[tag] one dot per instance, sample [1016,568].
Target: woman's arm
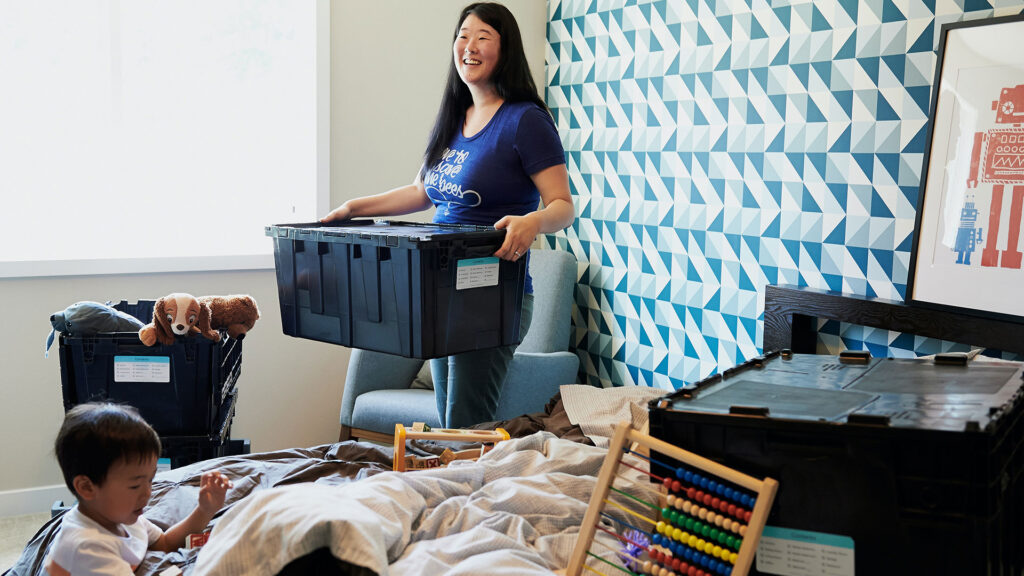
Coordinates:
[557,213]
[394,202]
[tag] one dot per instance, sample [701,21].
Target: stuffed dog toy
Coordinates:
[180,314]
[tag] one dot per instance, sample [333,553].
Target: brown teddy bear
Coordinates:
[180,314]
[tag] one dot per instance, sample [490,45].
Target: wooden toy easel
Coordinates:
[719,506]
[416,432]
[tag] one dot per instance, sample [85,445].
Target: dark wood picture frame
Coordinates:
[971,290]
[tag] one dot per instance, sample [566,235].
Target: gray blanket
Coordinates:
[337,465]
[516,511]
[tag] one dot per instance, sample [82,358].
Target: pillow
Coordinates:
[423,379]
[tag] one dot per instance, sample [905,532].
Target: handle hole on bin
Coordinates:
[383,253]
[357,251]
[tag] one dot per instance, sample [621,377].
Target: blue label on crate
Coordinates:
[163,464]
[477,272]
[790,552]
[142,369]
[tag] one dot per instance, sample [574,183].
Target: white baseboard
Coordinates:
[33,500]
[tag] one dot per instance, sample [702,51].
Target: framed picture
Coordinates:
[967,237]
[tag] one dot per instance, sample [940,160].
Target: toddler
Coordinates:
[108,455]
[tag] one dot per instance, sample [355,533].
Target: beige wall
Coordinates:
[289,389]
[390,62]
[389,58]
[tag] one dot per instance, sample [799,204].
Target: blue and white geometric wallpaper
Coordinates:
[716,147]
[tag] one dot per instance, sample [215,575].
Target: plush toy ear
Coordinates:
[148,334]
[162,325]
[205,318]
[195,307]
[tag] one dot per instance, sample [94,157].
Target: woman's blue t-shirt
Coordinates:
[485,177]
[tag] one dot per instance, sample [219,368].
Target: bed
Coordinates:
[337,509]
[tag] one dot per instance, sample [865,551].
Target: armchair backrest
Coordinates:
[554,277]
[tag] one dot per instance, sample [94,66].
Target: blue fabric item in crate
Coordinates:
[87,318]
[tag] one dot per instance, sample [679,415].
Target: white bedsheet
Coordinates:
[514,512]
[598,410]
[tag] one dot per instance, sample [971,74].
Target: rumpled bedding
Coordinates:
[492,493]
[175,493]
[515,512]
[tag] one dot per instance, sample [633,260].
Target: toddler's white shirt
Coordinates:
[84,547]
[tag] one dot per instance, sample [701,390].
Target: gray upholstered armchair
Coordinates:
[379,390]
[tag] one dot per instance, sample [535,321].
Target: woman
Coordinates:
[493,153]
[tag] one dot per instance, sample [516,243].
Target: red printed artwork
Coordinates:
[998,155]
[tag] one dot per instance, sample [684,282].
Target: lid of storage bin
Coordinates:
[384,232]
[782,400]
[904,393]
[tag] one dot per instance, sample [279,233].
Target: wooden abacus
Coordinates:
[710,526]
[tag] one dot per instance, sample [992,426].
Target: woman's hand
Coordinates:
[557,213]
[213,488]
[340,213]
[520,232]
[394,202]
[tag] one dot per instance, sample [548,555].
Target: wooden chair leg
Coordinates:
[346,433]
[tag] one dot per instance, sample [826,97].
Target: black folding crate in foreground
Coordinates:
[885,466]
[178,389]
[410,289]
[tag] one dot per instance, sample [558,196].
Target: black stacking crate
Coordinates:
[920,464]
[411,289]
[187,449]
[185,383]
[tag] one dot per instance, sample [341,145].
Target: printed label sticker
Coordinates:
[142,369]
[789,552]
[476,272]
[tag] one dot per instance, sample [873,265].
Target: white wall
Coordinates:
[389,58]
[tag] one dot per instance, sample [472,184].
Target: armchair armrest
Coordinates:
[369,371]
[532,379]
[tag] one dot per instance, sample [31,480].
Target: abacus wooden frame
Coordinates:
[624,433]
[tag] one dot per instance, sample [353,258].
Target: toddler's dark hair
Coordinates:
[96,435]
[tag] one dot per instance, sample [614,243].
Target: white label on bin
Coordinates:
[476,272]
[801,553]
[142,369]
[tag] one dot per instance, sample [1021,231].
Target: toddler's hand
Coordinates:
[213,487]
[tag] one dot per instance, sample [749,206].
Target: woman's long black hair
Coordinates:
[511,79]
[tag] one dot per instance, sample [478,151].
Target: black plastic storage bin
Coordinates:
[183,450]
[916,465]
[178,389]
[410,289]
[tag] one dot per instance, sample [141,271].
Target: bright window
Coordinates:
[146,135]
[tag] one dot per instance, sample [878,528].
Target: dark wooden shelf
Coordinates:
[790,315]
